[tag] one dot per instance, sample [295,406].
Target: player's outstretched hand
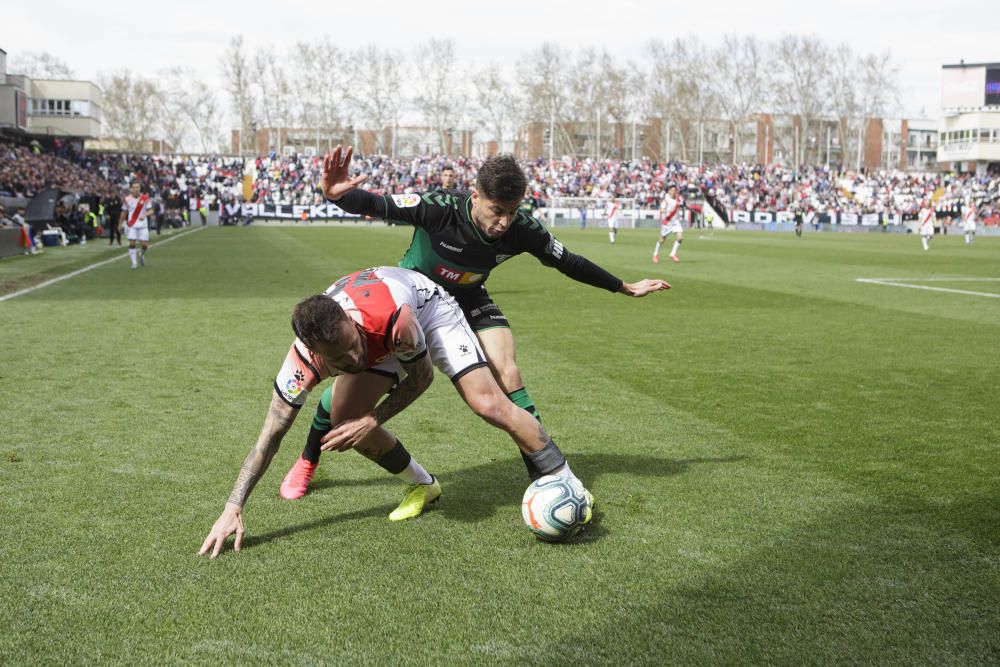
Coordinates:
[229,522]
[337,181]
[348,434]
[644,287]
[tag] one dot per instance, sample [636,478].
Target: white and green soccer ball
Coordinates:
[555,507]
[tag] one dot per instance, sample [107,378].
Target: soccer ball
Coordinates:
[555,507]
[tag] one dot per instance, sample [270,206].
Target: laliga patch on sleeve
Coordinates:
[406,201]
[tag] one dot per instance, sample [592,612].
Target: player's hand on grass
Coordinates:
[644,287]
[337,181]
[348,434]
[229,522]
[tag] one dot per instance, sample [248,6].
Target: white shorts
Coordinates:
[672,226]
[136,233]
[925,231]
[451,343]
[970,227]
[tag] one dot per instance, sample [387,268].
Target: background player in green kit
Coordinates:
[459,238]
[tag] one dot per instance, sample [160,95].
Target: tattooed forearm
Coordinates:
[280,417]
[418,377]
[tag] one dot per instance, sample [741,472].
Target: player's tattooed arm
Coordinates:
[419,376]
[280,417]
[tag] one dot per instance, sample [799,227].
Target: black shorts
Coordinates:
[479,309]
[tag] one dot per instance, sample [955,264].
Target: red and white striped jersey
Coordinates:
[374,298]
[137,211]
[669,209]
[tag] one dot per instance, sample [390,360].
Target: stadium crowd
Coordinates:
[174,181]
[291,180]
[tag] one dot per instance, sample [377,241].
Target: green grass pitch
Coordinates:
[791,467]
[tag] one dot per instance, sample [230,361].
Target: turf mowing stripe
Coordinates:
[876,281]
[53,281]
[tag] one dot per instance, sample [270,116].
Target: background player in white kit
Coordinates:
[135,221]
[614,219]
[925,218]
[969,221]
[670,222]
[372,328]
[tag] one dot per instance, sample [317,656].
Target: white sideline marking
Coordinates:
[896,282]
[53,281]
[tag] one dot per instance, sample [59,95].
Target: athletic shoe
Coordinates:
[674,258]
[591,504]
[134,266]
[142,259]
[296,482]
[415,498]
[656,259]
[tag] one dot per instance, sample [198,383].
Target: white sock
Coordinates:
[415,474]
[677,244]
[611,236]
[923,239]
[566,472]
[131,255]
[656,252]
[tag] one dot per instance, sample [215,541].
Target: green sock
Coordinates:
[521,399]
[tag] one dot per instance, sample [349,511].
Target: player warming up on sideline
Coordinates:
[670,222]
[380,329]
[926,220]
[135,222]
[459,238]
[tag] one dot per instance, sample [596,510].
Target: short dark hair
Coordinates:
[501,179]
[316,319]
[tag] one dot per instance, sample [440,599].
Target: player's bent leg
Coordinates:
[348,397]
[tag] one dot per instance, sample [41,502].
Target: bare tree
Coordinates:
[622,100]
[275,91]
[236,74]
[39,65]
[679,92]
[375,89]
[132,109]
[543,75]
[801,71]
[190,103]
[318,80]
[496,107]
[738,78]
[439,99]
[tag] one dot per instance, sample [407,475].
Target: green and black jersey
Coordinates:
[449,248]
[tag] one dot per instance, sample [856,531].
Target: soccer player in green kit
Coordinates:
[459,238]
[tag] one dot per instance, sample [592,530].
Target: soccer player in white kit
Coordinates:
[135,221]
[670,222]
[926,220]
[614,218]
[378,330]
[969,221]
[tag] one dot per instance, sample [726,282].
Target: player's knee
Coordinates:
[493,408]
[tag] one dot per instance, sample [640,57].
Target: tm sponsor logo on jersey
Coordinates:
[406,201]
[450,247]
[456,276]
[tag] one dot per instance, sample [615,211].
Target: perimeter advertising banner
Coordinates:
[854,219]
[289,212]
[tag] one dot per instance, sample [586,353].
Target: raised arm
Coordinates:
[280,416]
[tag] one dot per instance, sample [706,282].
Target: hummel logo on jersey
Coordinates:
[450,247]
[503,258]
[554,248]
